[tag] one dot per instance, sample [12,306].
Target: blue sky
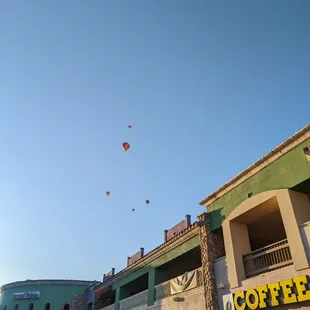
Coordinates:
[208,86]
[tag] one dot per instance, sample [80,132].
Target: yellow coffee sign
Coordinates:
[274,294]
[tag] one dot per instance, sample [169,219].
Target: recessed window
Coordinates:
[66,307]
[5,307]
[47,306]
[16,307]
[30,306]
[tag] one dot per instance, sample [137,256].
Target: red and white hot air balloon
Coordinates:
[126,146]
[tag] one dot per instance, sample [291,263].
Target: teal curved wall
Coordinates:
[57,295]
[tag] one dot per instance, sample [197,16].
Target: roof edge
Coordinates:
[296,139]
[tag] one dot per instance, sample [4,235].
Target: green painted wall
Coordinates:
[56,295]
[150,269]
[183,248]
[288,171]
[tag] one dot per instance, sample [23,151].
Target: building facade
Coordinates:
[250,250]
[178,274]
[44,295]
[264,216]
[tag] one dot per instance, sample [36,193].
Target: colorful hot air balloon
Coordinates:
[133,209]
[125,146]
[129,126]
[147,202]
[108,193]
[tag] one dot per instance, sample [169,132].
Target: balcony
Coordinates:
[274,256]
[163,290]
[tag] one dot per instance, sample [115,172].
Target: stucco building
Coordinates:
[178,274]
[264,215]
[46,295]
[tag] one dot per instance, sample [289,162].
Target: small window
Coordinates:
[5,307]
[16,307]
[30,306]
[47,306]
[66,307]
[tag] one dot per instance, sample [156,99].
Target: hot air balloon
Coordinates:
[129,126]
[133,209]
[125,146]
[147,202]
[108,193]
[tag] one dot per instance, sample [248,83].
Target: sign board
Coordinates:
[271,295]
[26,295]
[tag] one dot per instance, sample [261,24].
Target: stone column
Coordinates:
[212,247]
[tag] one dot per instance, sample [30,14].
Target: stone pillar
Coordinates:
[212,247]
[151,287]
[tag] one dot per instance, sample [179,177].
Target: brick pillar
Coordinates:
[166,235]
[188,220]
[212,247]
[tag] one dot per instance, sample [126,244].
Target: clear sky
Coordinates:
[208,86]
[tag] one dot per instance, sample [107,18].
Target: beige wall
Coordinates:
[221,277]
[294,208]
[193,300]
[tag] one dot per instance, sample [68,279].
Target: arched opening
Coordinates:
[16,307]
[66,306]
[47,306]
[30,306]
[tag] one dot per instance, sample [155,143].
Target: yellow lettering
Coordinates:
[252,303]
[239,295]
[274,293]
[303,293]
[262,290]
[288,296]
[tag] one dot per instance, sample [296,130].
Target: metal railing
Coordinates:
[274,256]
[162,290]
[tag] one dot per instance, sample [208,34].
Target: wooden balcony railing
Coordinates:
[271,257]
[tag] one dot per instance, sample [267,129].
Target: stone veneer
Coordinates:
[212,247]
[78,302]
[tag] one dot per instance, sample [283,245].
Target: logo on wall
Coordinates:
[275,294]
[26,295]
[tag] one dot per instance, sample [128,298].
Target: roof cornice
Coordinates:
[298,138]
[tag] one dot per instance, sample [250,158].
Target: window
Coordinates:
[16,307]
[47,306]
[30,306]
[66,307]
[5,307]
